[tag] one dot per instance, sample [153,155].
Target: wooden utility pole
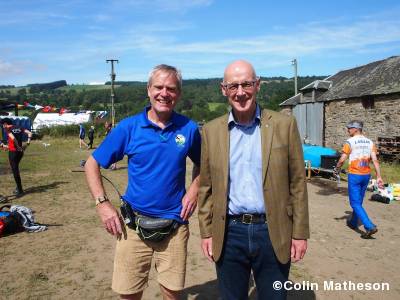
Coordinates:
[294,63]
[112,89]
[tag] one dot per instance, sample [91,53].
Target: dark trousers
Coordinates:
[90,144]
[248,248]
[14,157]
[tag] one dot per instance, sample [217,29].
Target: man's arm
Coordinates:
[298,194]
[189,201]
[29,134]
[205,203]
[341,161]
[375,162]
[106,211]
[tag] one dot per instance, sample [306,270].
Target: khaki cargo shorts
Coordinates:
[133,259]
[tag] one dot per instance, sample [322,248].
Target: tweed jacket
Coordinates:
[284,182]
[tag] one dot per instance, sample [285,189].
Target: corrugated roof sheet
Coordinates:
[376,78]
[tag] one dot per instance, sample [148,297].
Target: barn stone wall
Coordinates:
[381,120]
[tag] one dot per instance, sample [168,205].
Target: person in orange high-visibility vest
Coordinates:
[15,150]
[360,151]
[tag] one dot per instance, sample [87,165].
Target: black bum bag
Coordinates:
[148,228]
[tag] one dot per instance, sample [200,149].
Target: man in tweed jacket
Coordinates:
[253,206]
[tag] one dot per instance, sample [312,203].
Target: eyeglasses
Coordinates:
[233,87]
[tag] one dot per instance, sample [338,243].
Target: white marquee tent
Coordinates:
[52,119]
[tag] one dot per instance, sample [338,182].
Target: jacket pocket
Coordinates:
[289,209]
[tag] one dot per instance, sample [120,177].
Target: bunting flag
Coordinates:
[50,108]
[63,110]
[101,114]
[46,109]
[28,105]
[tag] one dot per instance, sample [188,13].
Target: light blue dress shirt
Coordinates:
[245,190]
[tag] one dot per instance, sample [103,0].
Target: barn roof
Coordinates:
[376,78]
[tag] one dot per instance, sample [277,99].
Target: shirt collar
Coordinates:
[147,123]
[256,119]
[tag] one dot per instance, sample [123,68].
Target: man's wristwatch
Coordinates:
[101,199]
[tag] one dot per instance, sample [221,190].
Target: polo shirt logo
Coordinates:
[180,140]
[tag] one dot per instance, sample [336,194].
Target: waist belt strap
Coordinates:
[249,218]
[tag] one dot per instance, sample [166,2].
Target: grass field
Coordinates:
[76,87]
[13,91]
[74,257]
[86,87]
[213,106]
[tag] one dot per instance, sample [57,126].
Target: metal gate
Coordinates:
[310,120]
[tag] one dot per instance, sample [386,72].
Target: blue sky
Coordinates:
[48,40]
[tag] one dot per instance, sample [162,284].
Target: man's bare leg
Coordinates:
[136,296]
[169,294]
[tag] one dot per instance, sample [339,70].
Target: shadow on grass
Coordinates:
[209,291]
[44,188]
[328,187]
[347,216]
[205,291]
[36,189]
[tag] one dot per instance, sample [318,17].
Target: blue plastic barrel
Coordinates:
[313,154]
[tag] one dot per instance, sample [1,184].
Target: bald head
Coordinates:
[241,86]
[239,68]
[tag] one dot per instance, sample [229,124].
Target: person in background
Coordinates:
[157,143]
[16,150]
[108,127]
[82,134]
[360,151]
[253,203]
[91,137]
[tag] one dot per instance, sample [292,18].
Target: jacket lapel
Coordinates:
[267,130]
[224,149]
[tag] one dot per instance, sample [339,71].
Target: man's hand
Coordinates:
[189,204]
[379,181]
[298,250]
[110,218]
[206,246]
[336,171]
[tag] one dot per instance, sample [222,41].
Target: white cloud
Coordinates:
[33,17]
[11,68]
[305,41]
[7,69]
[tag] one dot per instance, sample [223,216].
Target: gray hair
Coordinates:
[168,69]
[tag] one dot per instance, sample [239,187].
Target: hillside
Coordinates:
[130,97]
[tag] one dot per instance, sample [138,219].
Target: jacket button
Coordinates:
[223,218]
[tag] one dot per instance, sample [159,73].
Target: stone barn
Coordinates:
[370,93]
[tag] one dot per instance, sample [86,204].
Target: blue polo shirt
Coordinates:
[156,161]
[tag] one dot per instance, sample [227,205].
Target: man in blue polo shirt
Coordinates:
[156,142]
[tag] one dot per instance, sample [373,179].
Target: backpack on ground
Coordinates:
[10,222]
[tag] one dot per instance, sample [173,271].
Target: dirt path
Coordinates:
[74,257]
